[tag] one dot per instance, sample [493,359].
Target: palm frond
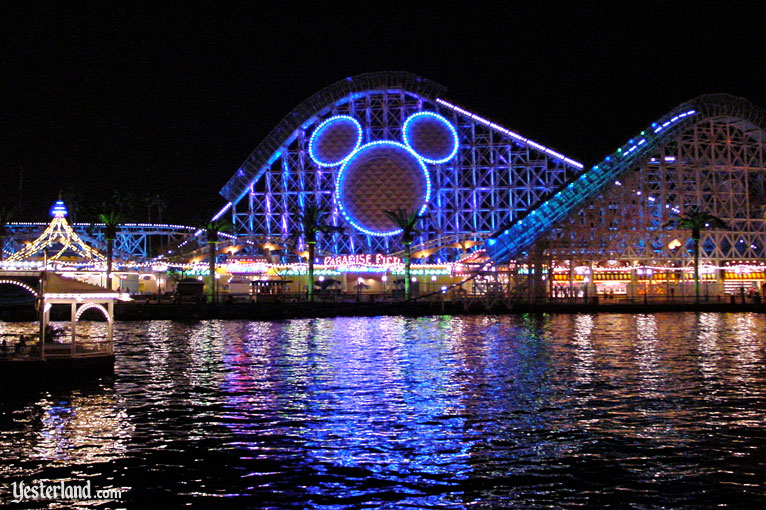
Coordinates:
[312,222]
[406,221]
[111,220]
[6,215]
[696,220]
[214,227]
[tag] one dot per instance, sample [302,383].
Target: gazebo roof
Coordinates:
[60,284]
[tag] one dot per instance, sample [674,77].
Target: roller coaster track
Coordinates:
[510,242]
[522,232]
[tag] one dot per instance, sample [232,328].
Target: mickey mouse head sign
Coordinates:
[382,175]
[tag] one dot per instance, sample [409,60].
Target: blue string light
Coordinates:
[361,150]
[513,240]
[429,115]
[510,133]
[337,119]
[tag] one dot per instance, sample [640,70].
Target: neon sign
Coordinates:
[257,266]
[369,259]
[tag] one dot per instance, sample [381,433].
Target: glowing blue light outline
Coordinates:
[59,210]
[452,129]
[510,133]
[357,152]
[321,126]
[586,176]
[222,211]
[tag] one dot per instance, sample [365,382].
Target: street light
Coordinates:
[647,275]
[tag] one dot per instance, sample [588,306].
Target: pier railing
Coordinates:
[30,349]
[487,292]
[81,349]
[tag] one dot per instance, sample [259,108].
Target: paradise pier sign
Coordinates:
[368,259]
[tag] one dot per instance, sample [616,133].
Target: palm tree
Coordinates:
[696,220]
[111,221]
[6,215]
[153,201]
[405,220]
[312,223]
[125,203]
[212,229]
[161,205]
[73,198]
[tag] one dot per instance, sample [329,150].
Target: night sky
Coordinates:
[148,99]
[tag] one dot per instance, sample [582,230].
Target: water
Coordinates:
[556,411]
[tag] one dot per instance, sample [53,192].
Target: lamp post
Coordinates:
[647,276]
[160,269]
[646,289]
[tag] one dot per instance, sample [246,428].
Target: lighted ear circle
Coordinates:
[334,140]
[431,136]
[379,177]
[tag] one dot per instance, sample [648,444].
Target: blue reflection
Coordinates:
[532,411]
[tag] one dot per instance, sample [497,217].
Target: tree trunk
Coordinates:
[211,270]
[109,249]
[310,275]
[696,239]
[407,270]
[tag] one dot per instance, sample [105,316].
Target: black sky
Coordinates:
[170,99]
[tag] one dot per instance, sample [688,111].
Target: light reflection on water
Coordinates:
[438,412]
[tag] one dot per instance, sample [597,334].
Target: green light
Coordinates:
[301,272]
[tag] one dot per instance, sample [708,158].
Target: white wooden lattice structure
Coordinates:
[494,175]
[716,161]
[52,289]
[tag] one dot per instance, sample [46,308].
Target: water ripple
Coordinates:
[645,411]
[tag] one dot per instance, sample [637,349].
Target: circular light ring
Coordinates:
[335,140]
[430,136]
[381,176]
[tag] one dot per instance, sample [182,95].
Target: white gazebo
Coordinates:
[80,296]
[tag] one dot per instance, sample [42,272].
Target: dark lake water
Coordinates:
[553,411]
